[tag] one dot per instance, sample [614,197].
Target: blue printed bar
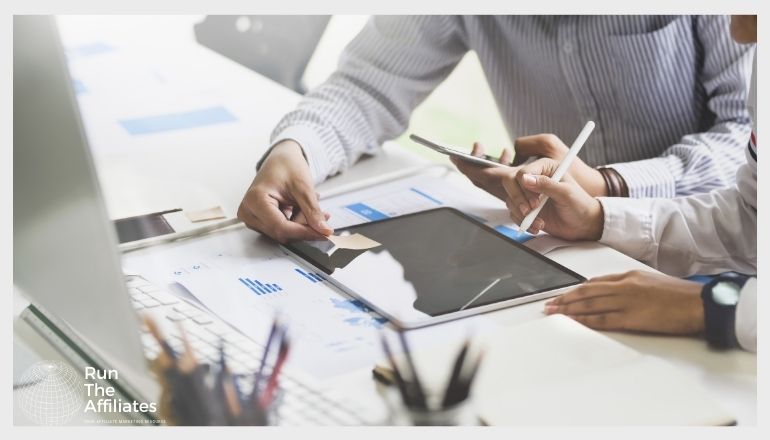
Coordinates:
[366,212]
[303,273]
[521,237]
[316,276]
[256,286]
[178,121]
[249,286]
[434,200]
[260,288]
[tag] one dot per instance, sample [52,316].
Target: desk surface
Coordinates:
[213,166]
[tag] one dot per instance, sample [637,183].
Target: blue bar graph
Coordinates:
[177,121]
[521,237]
[366,211]
[432,199]
[259,288]
[312,276]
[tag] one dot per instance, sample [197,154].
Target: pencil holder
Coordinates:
[459,414]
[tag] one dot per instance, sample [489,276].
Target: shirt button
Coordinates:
[567,48]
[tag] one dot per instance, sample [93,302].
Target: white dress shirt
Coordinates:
[701,234]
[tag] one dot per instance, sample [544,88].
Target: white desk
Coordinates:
[179,169]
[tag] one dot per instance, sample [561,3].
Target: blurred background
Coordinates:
[460,111]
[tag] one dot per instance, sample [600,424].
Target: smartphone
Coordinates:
[485,160]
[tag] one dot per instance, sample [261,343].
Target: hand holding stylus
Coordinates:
[561,170]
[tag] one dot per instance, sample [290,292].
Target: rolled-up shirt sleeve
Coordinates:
[383,74]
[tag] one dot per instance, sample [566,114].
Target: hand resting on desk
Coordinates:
[636,300]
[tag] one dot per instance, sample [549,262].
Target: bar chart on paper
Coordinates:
[260,288]
[313,277]
[419,194]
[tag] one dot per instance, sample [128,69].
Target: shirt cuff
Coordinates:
[313,147]
[746,316]
[627,226]
[650,177]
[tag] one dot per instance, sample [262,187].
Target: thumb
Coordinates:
[306,198]
[545,185]
[526,146]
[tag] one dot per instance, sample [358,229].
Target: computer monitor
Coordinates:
[64,252]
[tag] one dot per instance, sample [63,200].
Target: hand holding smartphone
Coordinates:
[485,160]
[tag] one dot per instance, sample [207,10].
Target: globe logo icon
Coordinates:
[54,393]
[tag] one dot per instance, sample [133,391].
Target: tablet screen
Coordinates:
[434,263]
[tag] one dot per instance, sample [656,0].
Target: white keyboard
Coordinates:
[300,400]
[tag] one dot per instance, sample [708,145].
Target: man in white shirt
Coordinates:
[706,233]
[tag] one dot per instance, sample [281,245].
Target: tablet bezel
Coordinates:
[304,260]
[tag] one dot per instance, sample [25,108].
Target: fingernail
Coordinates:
[529,179]
[551,309]
[523,208]
[539,224]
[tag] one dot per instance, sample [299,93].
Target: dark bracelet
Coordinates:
[616,184]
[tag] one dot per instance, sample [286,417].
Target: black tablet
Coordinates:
[434,266]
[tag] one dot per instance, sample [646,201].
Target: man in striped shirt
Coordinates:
[667,93]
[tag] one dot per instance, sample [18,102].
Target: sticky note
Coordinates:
[354,241]
[205,214]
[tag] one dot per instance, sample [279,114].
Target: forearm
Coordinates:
[386,71]
[698,163]
[708,233]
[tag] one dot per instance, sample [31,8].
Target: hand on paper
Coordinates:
[636,300]
[282,185]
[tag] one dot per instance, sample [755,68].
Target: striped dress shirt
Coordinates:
[668,93]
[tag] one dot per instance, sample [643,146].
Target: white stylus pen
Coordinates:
[560,171]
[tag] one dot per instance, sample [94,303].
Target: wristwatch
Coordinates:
[720,297]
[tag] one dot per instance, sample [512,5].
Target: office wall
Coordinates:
[460,111]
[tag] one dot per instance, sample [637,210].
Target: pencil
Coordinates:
[466,385]
[402,388]
[416,384]
[258,375]
[152,327]
[451,390]
[267,395]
